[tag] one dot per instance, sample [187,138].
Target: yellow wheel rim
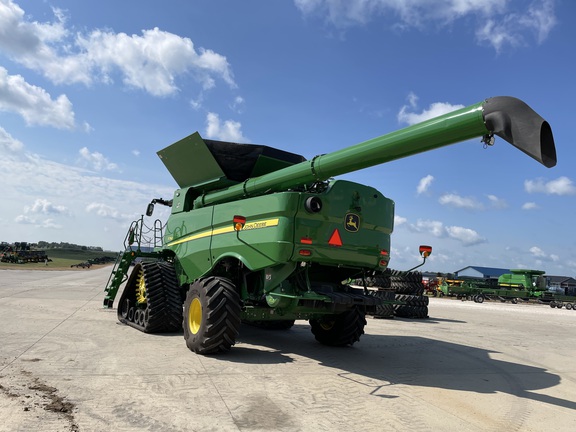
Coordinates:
[195,316]
[141,290]
[327,325]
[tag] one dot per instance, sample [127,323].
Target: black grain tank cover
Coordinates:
[242,161]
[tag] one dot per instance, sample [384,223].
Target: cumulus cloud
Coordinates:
[150,61]
[7,142]
[226,131]
[33,103]
[498,22]
[497,202]
[561,186]
[96,161]
[44,206]
[455,200]
[543,256]
[40,207]
[238,104]
[530,206]
[434,110]
[511,29]
[467,236]
[46,223]
[399,220]
[424,184]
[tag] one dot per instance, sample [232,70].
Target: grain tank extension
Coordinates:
[263,236]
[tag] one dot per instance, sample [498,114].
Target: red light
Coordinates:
[384,252]
[335,239]
[239,222]
[425,251]
[306,240]
[383,263]
[305,252]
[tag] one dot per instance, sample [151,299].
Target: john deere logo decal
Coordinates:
[352,222]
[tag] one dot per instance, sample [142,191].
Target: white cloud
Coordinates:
[151,61]
[434,110]
[498,23]
[561,186]
[530,206]
[97,161]
[455,200]
[46,207]
[543,256]
[467,236]
[399,220]
[424,184]
[228,131]
[106,211]
[46,223]
[496,202]
[436,228]
[23,219]
[7,142]
[510,29]
[238,104]
[33,103]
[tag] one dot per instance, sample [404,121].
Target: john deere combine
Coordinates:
[263,236]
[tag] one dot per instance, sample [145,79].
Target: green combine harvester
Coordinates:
[263,236]
[518,285]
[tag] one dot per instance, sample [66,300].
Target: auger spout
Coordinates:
[507,117]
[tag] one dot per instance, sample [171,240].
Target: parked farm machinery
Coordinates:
[263,236]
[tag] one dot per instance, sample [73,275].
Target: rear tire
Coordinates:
[211,315]
[340,330]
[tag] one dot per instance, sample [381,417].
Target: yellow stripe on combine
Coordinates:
[249,226]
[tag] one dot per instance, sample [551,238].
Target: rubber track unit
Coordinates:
[385,310]
[220,316]
[342,330]
[162,310]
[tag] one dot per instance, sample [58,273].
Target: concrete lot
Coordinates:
[66,364]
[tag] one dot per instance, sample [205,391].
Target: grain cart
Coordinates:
[263,236]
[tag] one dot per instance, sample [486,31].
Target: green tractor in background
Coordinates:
[262,236]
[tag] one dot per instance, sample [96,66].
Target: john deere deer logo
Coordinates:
[352,222]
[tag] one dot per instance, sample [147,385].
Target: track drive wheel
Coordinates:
[211,315]
[339,330]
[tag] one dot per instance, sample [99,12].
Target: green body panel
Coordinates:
[190,239]
[267,238]
[362,239]
[275,226]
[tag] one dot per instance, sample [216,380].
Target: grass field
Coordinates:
[62,259]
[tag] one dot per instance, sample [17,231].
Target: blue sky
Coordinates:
[89,91]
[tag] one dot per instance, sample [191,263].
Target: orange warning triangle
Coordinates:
[335,239]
